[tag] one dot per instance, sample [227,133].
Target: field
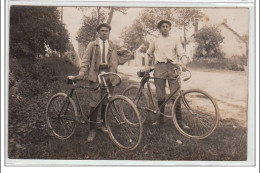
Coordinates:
[227,143]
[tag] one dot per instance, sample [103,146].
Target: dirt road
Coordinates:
[228,88]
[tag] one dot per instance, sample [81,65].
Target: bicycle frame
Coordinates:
[74,91]
[152,97]
[147,82]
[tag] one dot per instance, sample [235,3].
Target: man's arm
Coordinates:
[181,53]
[124,55]
[150,51]
[85,62]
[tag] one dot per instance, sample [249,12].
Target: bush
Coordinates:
[32,77]
[235,63]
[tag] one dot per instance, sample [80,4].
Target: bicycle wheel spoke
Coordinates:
[198,113]
[124,134]
[61,116]
[136,95]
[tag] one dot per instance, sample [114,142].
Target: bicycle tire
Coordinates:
[199,114]
[140,100]
[57,122]
[125,135]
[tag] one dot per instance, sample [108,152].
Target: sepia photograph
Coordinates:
[128,83]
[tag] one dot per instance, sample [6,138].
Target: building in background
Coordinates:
[232,45]
[141,58]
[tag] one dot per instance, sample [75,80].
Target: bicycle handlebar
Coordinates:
[74,79]
[142,72]
[109,73]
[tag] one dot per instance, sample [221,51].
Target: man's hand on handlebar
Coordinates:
[80,77]
[184,69]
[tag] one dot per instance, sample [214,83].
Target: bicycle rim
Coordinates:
[195,114]
[138,98]
[61,116]
[124,134]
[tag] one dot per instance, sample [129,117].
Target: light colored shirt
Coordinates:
[101,50]
[164,48]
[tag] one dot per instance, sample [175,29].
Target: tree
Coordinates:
[134,35]
[208,40]
[32,28]
[149,18]
[93,17]
[112,10]
[87,32]
[185,17]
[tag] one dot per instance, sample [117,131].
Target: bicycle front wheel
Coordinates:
[135,94]
[61,116]
[195,114]
[119,112]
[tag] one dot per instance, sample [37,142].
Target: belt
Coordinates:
[167,61]
[103,66]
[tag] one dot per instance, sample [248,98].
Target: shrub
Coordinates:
[235,63]
[32,77]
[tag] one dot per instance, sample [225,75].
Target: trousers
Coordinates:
[165,70]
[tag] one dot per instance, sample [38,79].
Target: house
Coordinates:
[232,45]
[140,58]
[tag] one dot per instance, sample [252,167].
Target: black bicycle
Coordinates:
[62,114]
[199,111]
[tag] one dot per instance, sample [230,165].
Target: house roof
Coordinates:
[191,38]
[224,24]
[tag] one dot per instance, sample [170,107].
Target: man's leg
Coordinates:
[94,97]
[174,85]
[104,104]
[160,85]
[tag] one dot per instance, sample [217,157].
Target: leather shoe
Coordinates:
[183,126]
[103,129]
[91,136]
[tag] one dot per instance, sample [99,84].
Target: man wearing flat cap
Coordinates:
[168,55]
[100,56]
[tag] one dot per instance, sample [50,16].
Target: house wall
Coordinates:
[141,59]
[232,44]
[190,50]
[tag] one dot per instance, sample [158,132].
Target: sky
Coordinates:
[237,19]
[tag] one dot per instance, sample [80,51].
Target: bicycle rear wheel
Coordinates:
[195,114]
[124,134]
[61,116]
[135,94]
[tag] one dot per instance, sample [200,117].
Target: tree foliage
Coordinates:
[185,18]
[208,40]
[87,32]
[32,28]
[93,17]
[134,35]
[149,17]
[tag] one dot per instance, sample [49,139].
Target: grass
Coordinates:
[227,143]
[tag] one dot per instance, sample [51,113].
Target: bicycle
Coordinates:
[199,110]
[62,114]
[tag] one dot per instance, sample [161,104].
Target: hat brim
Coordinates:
[103,25]
[162,22]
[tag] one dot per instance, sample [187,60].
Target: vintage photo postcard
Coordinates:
[161,84]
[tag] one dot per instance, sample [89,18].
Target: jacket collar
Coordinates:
[110,44]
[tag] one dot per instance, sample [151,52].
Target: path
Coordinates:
[228,88]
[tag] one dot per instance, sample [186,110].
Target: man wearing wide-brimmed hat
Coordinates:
[100,56]
[168,55]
